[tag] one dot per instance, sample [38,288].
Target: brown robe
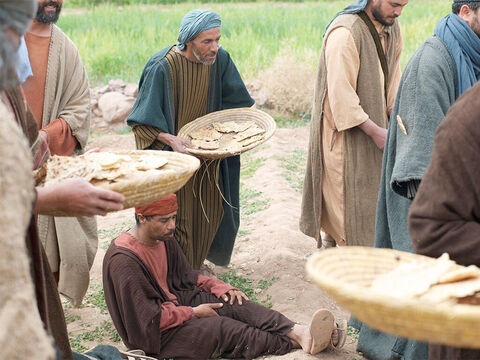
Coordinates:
[444,216]
[362,160]
[48,301]
[134,299]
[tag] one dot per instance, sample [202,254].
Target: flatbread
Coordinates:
[100,167]
[462,273]
[231,146]
[452,291]
[232,126]
[413,278]
[147,162]
[251,131]
[251,140]
[206,145]
[207,133]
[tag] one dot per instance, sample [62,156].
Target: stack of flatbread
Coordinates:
[102,168]
[438,281]
[229,136]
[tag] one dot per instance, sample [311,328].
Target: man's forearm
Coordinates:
[375,132]
[165,138]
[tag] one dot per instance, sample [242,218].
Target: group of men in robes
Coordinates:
[355,194]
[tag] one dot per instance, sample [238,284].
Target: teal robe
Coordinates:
[154,107]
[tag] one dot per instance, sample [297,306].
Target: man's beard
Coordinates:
[380,17]
[48,18]
[8,75]
[199,58]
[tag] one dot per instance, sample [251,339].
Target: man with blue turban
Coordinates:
[179,84]
[443,67]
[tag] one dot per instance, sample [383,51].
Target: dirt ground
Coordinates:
[271,244]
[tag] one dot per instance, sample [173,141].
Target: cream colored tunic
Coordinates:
[343,111]
[22,333]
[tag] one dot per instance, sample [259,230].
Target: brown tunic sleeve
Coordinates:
[60,138]
[445,216]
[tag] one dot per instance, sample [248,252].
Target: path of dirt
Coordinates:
[273,246]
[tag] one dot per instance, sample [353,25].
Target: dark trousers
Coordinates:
[240,332]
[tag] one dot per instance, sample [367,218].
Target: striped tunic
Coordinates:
[200,209]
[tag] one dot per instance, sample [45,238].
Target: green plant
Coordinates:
[294,168]
[248,286]
[96,298]
[251,202]
[354,333]
[71,318]
[290,123]
[124,130]
[115,230]
[243,232]
[250,165]
[251,31]
[106,330]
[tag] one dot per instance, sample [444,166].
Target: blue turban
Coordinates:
[353,8]
[194,23]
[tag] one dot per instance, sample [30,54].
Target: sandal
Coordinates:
[135,355]
[342,335]
[321,329]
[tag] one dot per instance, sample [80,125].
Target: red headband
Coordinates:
[163,206]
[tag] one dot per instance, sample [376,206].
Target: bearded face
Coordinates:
[48,11]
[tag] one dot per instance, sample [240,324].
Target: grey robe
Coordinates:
[426,92]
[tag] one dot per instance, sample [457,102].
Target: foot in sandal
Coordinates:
[322,333]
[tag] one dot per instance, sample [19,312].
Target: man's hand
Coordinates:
[235,294]
[376,133]
[206,310]
[77,197]
[177,143]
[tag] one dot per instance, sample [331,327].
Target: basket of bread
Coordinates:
[228,132]
[142,176]
[409,295]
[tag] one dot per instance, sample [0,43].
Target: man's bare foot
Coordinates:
[301,337]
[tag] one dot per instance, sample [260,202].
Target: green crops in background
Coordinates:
[116,42]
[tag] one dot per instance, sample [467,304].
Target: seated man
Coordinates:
[162,306]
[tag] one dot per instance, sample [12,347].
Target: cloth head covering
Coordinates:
[353,8]
[194,22]
[17,14]
[163,206]
[464,46]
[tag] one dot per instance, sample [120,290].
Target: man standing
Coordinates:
[444,217]
[445,66]
[58,95]
[179,84]
[162,306]
[357,82]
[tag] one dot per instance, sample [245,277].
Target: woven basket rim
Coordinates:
[260,117]
[141,191]
[410,318]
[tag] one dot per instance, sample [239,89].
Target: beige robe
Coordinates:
[22,333]
[70,242]
[338,198]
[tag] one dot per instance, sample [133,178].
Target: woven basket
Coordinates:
[174,175]
[346,273]
[262,119]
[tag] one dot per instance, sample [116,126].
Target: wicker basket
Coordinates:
[141,191]
[262,119]
[346,273]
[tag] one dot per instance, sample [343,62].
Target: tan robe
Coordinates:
[338,110]
[22,333]
[70,243]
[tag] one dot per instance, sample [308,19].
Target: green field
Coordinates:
[116,42]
